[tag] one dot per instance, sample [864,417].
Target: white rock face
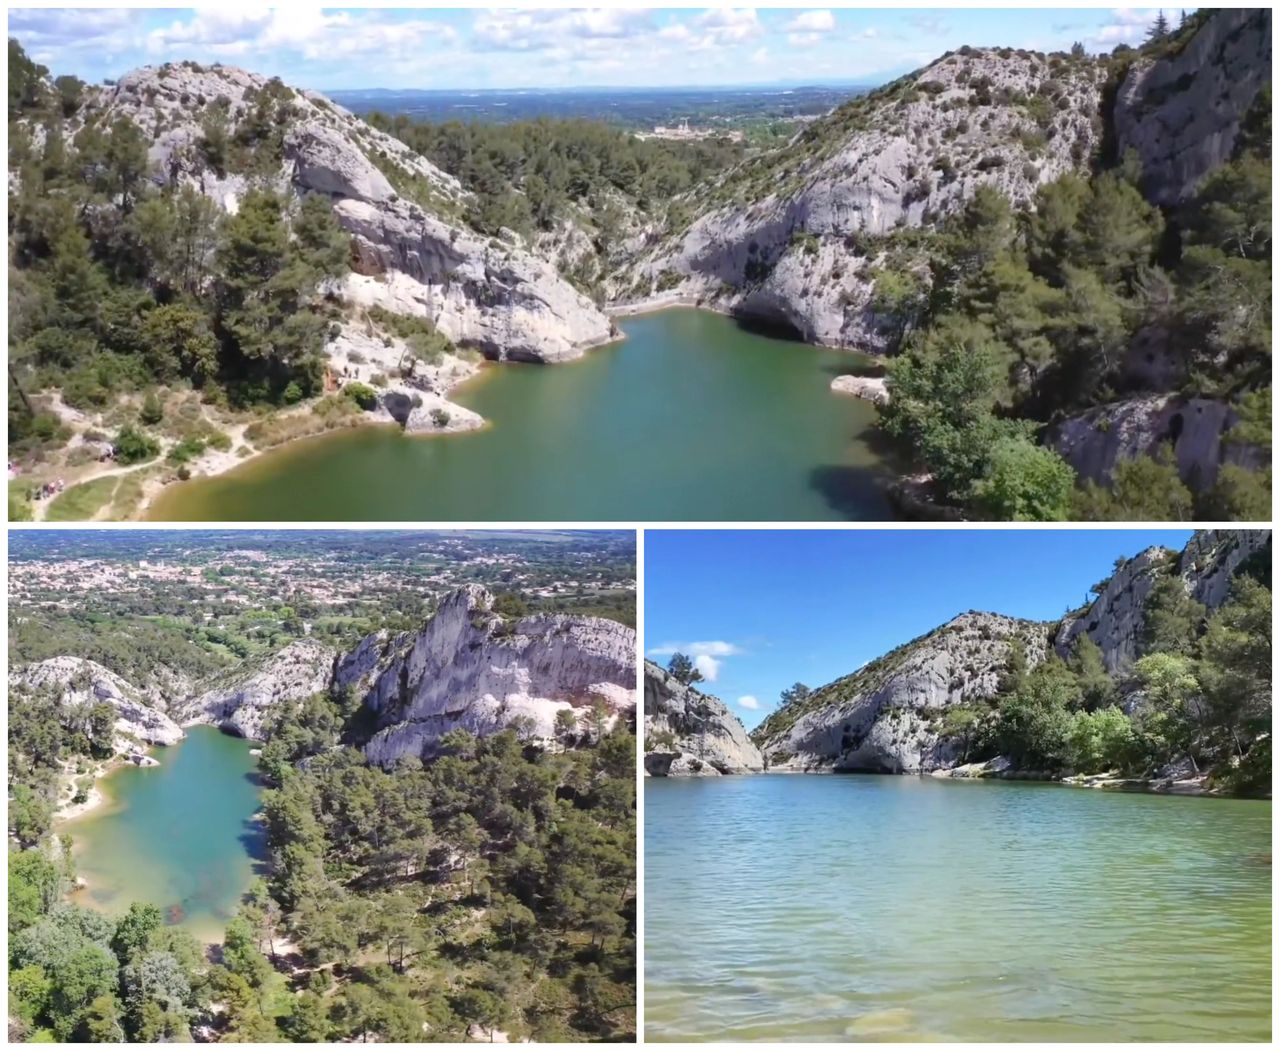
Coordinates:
[1095,441]
[85,683]
[1114,620]
[1116,617]
[468,668]
[1182,114]
[793,250]
[480,292]
[886,716]
[869,388]
[241,701]
[691,734]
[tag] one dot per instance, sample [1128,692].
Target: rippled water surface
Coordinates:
[180,836]
[785,907]
[690,418]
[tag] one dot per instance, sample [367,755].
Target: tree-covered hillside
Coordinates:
[491,890]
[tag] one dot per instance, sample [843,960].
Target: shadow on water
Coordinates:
[253,838]
[857,365]
[852,491]
[772,327]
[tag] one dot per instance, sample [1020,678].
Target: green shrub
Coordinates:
[364,396]
[135,446]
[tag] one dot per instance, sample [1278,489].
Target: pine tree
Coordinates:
[1159,29]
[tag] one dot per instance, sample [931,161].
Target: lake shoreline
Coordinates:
[1191,788]
[836,470]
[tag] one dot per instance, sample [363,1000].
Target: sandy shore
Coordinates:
[69,811]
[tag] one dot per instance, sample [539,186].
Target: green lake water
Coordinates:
[181,836]
[786,907]
[691,417]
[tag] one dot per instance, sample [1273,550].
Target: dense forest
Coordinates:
[531,175]
[490,889]
[1009,319]
[117,285]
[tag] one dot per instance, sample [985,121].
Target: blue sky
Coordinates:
[344,48]
[763,609]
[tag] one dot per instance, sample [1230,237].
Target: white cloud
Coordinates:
[714,648]
[749,702]
[1128,25]
[551,28]
[724,26]
[309,33]
[708,655]
[813,22]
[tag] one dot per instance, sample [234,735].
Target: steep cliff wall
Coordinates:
[1181,113]
[1115,619]
[413,253]
[887,716]
[240,701]
[470,668]
[688,732]
[792,237]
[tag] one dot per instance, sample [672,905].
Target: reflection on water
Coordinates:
[895,908]
[691,418]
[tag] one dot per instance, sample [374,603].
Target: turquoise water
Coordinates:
[690,418]
[785,907]
[181,836]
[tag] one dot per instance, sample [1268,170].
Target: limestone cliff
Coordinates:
[688,732]
[1198,430]
[471,668]
[1114,620]
[887,716]
[241,700]
[1181,112]
[84,683]
[224,130]
[793,237]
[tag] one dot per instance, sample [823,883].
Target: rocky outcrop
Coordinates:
[241,702]
[480,292]
[1182,113]
[83,683]
[424,412]
[888,716]
[1197,429]
[401,211]
[1115,619]
[797,244]
[690,733]
[473,669]
[469,667]
[869,388]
